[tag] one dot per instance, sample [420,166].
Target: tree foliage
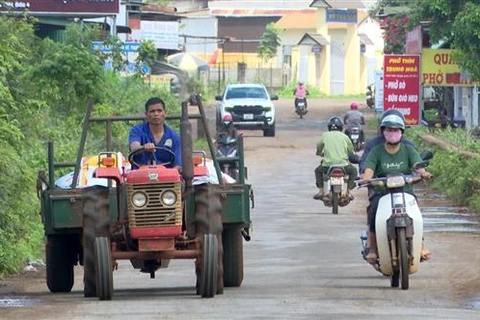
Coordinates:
[44,89]
[269,42]
[456,22]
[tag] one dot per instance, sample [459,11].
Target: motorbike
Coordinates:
[355,134]
[370,97]
[336,182]
[301,107]
[227,148]
[399,228]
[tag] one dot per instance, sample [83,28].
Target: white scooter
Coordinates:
[399,228]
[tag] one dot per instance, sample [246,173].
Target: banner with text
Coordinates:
[439,69]
[401,86]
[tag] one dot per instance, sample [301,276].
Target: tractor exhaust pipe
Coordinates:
[187,149]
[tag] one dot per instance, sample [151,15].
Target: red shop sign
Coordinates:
[401,85]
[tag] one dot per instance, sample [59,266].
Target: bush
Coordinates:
[452,171]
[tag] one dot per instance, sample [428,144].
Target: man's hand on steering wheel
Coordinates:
[149,147]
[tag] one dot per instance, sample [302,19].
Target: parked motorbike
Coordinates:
[227,148]
[399,228]
[355,134]
[301,107]
[370,97]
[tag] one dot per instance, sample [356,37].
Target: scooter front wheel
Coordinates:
[403,257]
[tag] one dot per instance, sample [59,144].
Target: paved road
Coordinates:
[302,262]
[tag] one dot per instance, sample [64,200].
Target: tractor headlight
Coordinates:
[169,198]
[139,199]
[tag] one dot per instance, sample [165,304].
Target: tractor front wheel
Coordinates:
[104,268]
[208,229]
[96,223]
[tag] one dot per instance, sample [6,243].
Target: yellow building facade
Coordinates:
[329,54]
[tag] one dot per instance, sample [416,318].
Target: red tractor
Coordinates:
[148,216]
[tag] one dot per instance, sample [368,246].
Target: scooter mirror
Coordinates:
[420,165]
[354,158]
[426,155]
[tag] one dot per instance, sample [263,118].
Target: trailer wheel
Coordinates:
[208,221]
[232,257]
[96,223]
[60,258]
[104,268]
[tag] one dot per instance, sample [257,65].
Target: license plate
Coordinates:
[336,181]
[248,116]
[355,136]
[301,104]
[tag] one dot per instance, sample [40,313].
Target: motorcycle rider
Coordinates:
[335,147]
[393,156]
[354,118]
[380,139]
[300,92]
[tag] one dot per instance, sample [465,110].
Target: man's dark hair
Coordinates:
[154,100]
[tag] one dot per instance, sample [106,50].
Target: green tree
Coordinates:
[450,21]
[466,42]
[269,42]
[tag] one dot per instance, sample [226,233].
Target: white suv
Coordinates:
[250,106]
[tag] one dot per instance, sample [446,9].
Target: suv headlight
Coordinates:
[169,198]
[139,199]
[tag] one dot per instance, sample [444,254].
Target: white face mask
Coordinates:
[393,137]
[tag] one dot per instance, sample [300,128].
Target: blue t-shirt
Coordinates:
[170,140]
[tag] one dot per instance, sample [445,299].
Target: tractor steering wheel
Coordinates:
[153,159]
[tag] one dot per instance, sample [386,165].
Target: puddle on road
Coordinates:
[12,302]
[440,215]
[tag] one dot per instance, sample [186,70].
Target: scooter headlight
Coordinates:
[169,198]
[139,199]
[395,182]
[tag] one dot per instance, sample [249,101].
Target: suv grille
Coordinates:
[155,213]
[240,110]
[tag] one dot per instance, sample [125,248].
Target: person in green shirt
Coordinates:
[391,157]
[335,147]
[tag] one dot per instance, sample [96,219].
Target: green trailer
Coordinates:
[148,216]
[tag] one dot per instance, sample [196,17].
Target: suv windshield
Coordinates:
[246,93]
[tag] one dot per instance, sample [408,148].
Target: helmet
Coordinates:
[300,83]
[354,105]
[393,121]
[393,111]
[335,124]
[227,117]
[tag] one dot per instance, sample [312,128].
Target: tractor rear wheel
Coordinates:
[96,223]
[232,257]
[208,221]
[60,254]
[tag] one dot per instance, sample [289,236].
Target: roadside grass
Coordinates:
[455,174]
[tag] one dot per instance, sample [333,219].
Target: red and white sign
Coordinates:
[401,85]
[62,6]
